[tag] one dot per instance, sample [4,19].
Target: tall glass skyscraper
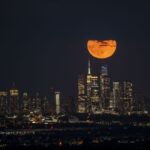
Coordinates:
[81,104]
[127,97]
[105,87]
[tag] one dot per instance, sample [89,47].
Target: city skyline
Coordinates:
[97,93]
[95,69]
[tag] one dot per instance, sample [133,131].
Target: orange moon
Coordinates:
[101,48]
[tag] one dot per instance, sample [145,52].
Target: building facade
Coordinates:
[26,103]
[14,104]
[81,103]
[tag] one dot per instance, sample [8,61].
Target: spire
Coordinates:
[89,67]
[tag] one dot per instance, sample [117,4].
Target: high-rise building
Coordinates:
[45,106]
[26,103]
[115,101]
[81,104]
[36,104]
[14,101]
[88,88]
[127,97]
[89,96]
[95,95]
[52,101]
[3,103]
[139,104]
[89,93]
[104,87]
[57,102]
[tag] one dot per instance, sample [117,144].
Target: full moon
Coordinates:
[101,49]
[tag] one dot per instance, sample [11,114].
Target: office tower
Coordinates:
[3,102]
[127,97]
[88,93]
[45,106]
[81,104]
[115,101]
[57,102]
[26,103]
[93,104]
[104,87]
[88,88]
[36,104]
[95,95]
[14,101]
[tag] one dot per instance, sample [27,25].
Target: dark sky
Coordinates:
[43,42]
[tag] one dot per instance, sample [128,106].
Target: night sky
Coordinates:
[43,42]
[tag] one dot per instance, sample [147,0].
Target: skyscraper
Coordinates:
[36,104]
[105,87]
[57,102]
[52,102]
[139,104]
[92,89]
[26,103]
[127,97]
[14,101]
[81,104]
[88,93]
[88,88]
[115,102]
[95,95]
